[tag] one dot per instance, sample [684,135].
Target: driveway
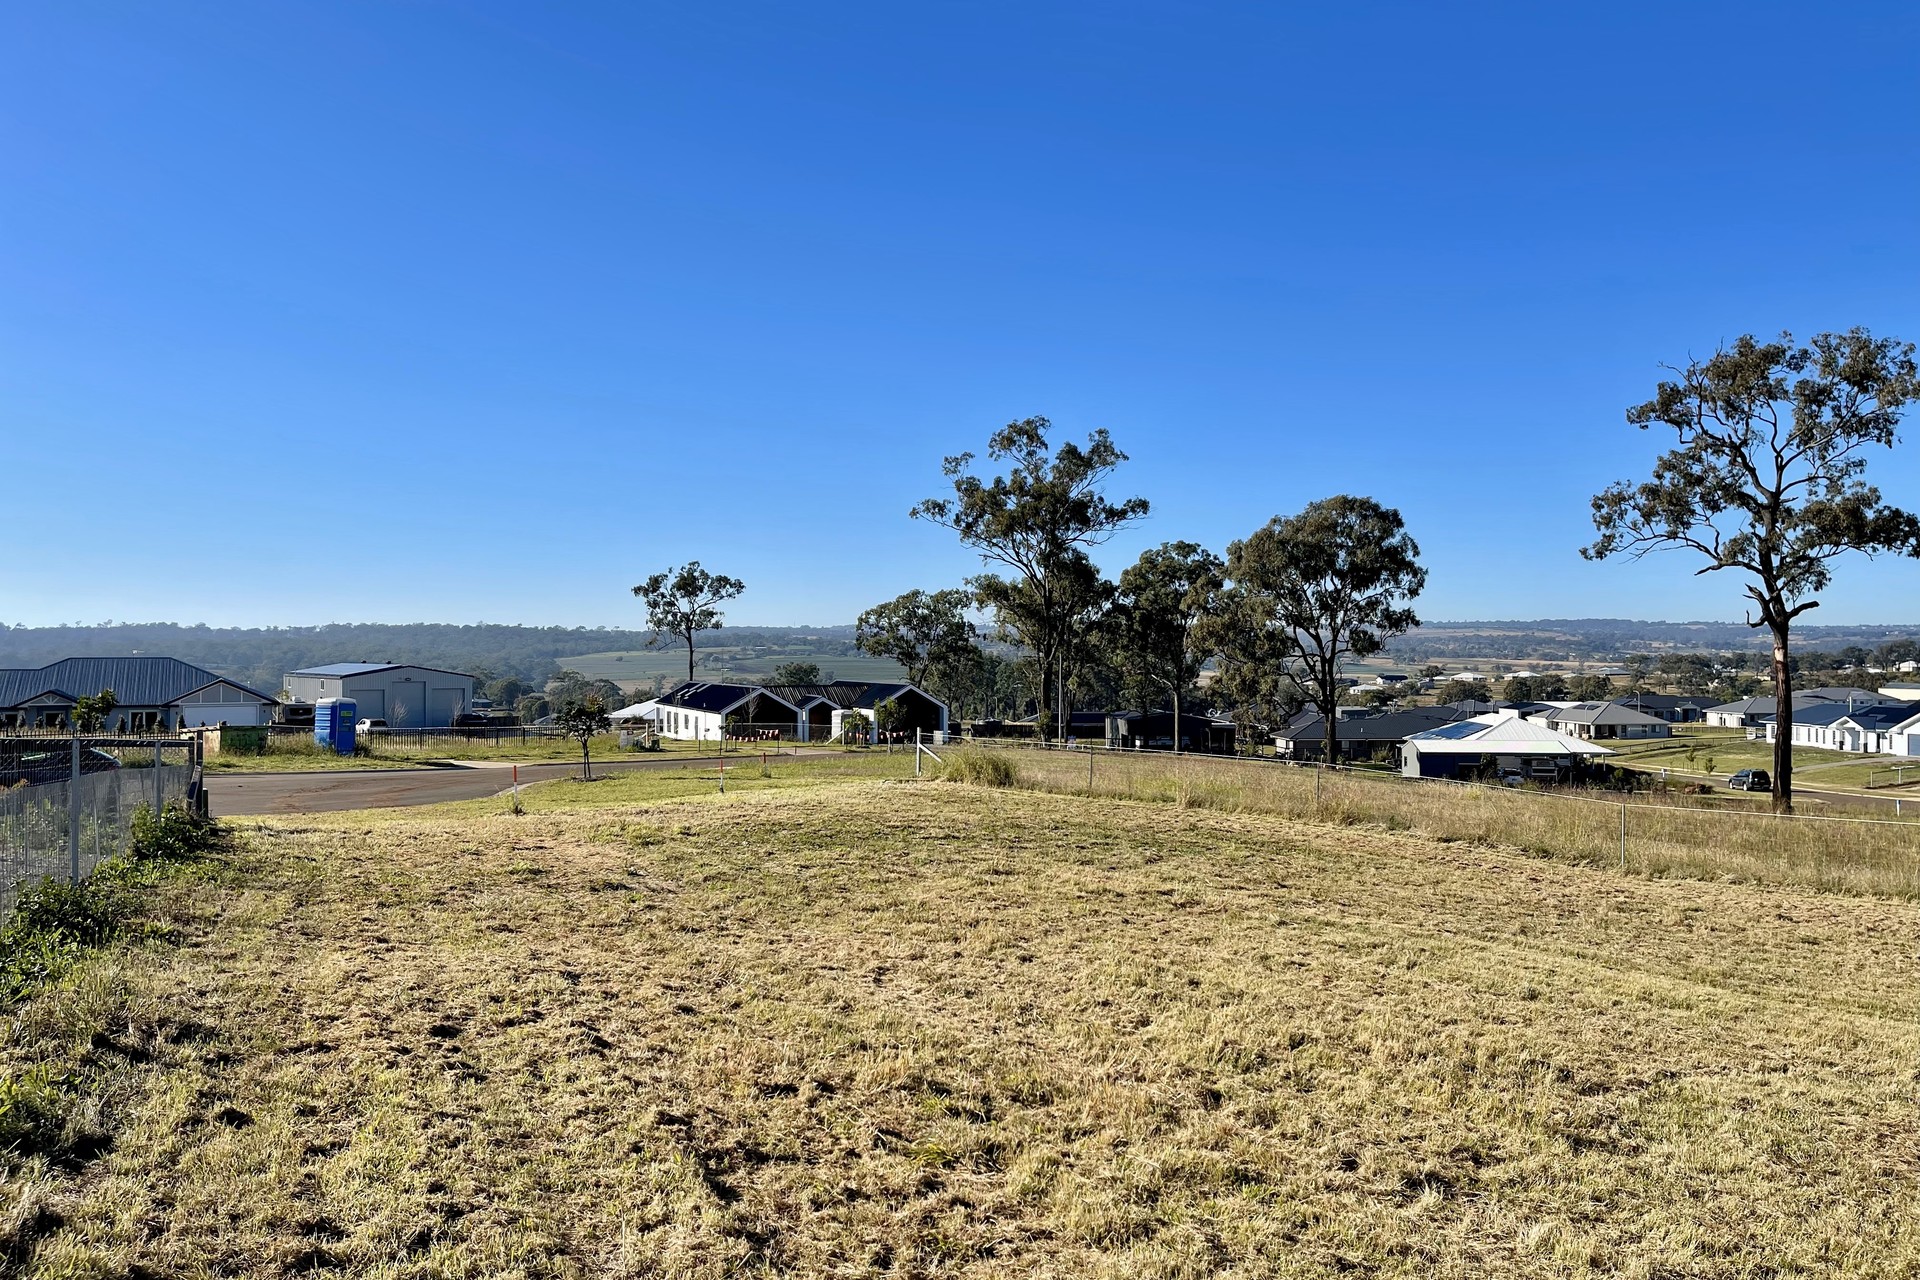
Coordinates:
[231,794]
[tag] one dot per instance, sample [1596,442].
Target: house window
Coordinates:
[51,720]
[144,721]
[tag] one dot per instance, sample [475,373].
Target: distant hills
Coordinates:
[1608,638]
[261,656]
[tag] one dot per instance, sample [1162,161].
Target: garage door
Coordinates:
[446,704]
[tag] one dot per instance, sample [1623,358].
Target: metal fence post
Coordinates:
[1089,770]
[73,817]
[1623,836]
[159,795]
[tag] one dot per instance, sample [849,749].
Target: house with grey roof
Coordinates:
[151,694]
[1605,720]
[1880,728]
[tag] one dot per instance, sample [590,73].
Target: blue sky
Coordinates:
[460,311]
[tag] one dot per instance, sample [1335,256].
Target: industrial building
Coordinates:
[406,697]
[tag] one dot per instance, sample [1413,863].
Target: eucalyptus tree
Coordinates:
[1768,480]
[920,630]
[683,602]
[1162,600]
[1310,590]
[1037,523]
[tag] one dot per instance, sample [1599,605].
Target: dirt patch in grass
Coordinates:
[886,1029]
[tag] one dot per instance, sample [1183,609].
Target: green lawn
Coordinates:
[1730,750]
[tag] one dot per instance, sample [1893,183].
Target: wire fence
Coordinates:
[68,827]
[1637,832]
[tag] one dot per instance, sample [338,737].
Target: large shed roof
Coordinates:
[337,670]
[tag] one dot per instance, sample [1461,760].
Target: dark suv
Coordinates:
[1750,780]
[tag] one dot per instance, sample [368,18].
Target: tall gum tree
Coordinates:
[684,602]
[1768,480]
[1037,522]
[1335,581]
[1163,600]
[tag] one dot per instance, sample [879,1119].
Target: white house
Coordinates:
[704,711]
[824,708]
[1879,728]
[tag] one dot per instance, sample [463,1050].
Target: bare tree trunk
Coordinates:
[1176,719]
[586,761]
[1782,724]
[1047,709]
[689,657]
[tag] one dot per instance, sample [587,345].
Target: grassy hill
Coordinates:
[835,1024]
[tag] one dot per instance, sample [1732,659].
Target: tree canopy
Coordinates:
[683,602]
[1037,523]
[1153,628]
[1767,478]
[1331,583]
[920,630]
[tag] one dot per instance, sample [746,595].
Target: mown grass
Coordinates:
[874,1028]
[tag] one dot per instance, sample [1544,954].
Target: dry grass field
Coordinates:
[838,1026]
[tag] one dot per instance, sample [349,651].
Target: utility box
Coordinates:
[333,724]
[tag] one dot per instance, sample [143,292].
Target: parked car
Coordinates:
[366,725]
[1751,780]
[34,763]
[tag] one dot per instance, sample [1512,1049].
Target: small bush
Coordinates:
[175,834]
[54,910]
[981,769]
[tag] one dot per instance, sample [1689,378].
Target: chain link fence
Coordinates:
[66,827]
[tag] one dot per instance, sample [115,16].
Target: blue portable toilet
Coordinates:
[333,724]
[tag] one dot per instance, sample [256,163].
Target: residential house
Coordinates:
[824,707]
[1153,731]
[1878,728]
[704,711]
[1502,743]
[1360,734]
[1674,708]
[152,694]
[1603,720]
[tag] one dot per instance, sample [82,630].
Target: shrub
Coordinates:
[981,769]
[175,834]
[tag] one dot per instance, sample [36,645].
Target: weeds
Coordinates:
[981,769]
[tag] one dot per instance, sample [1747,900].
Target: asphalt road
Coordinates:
[230,794]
